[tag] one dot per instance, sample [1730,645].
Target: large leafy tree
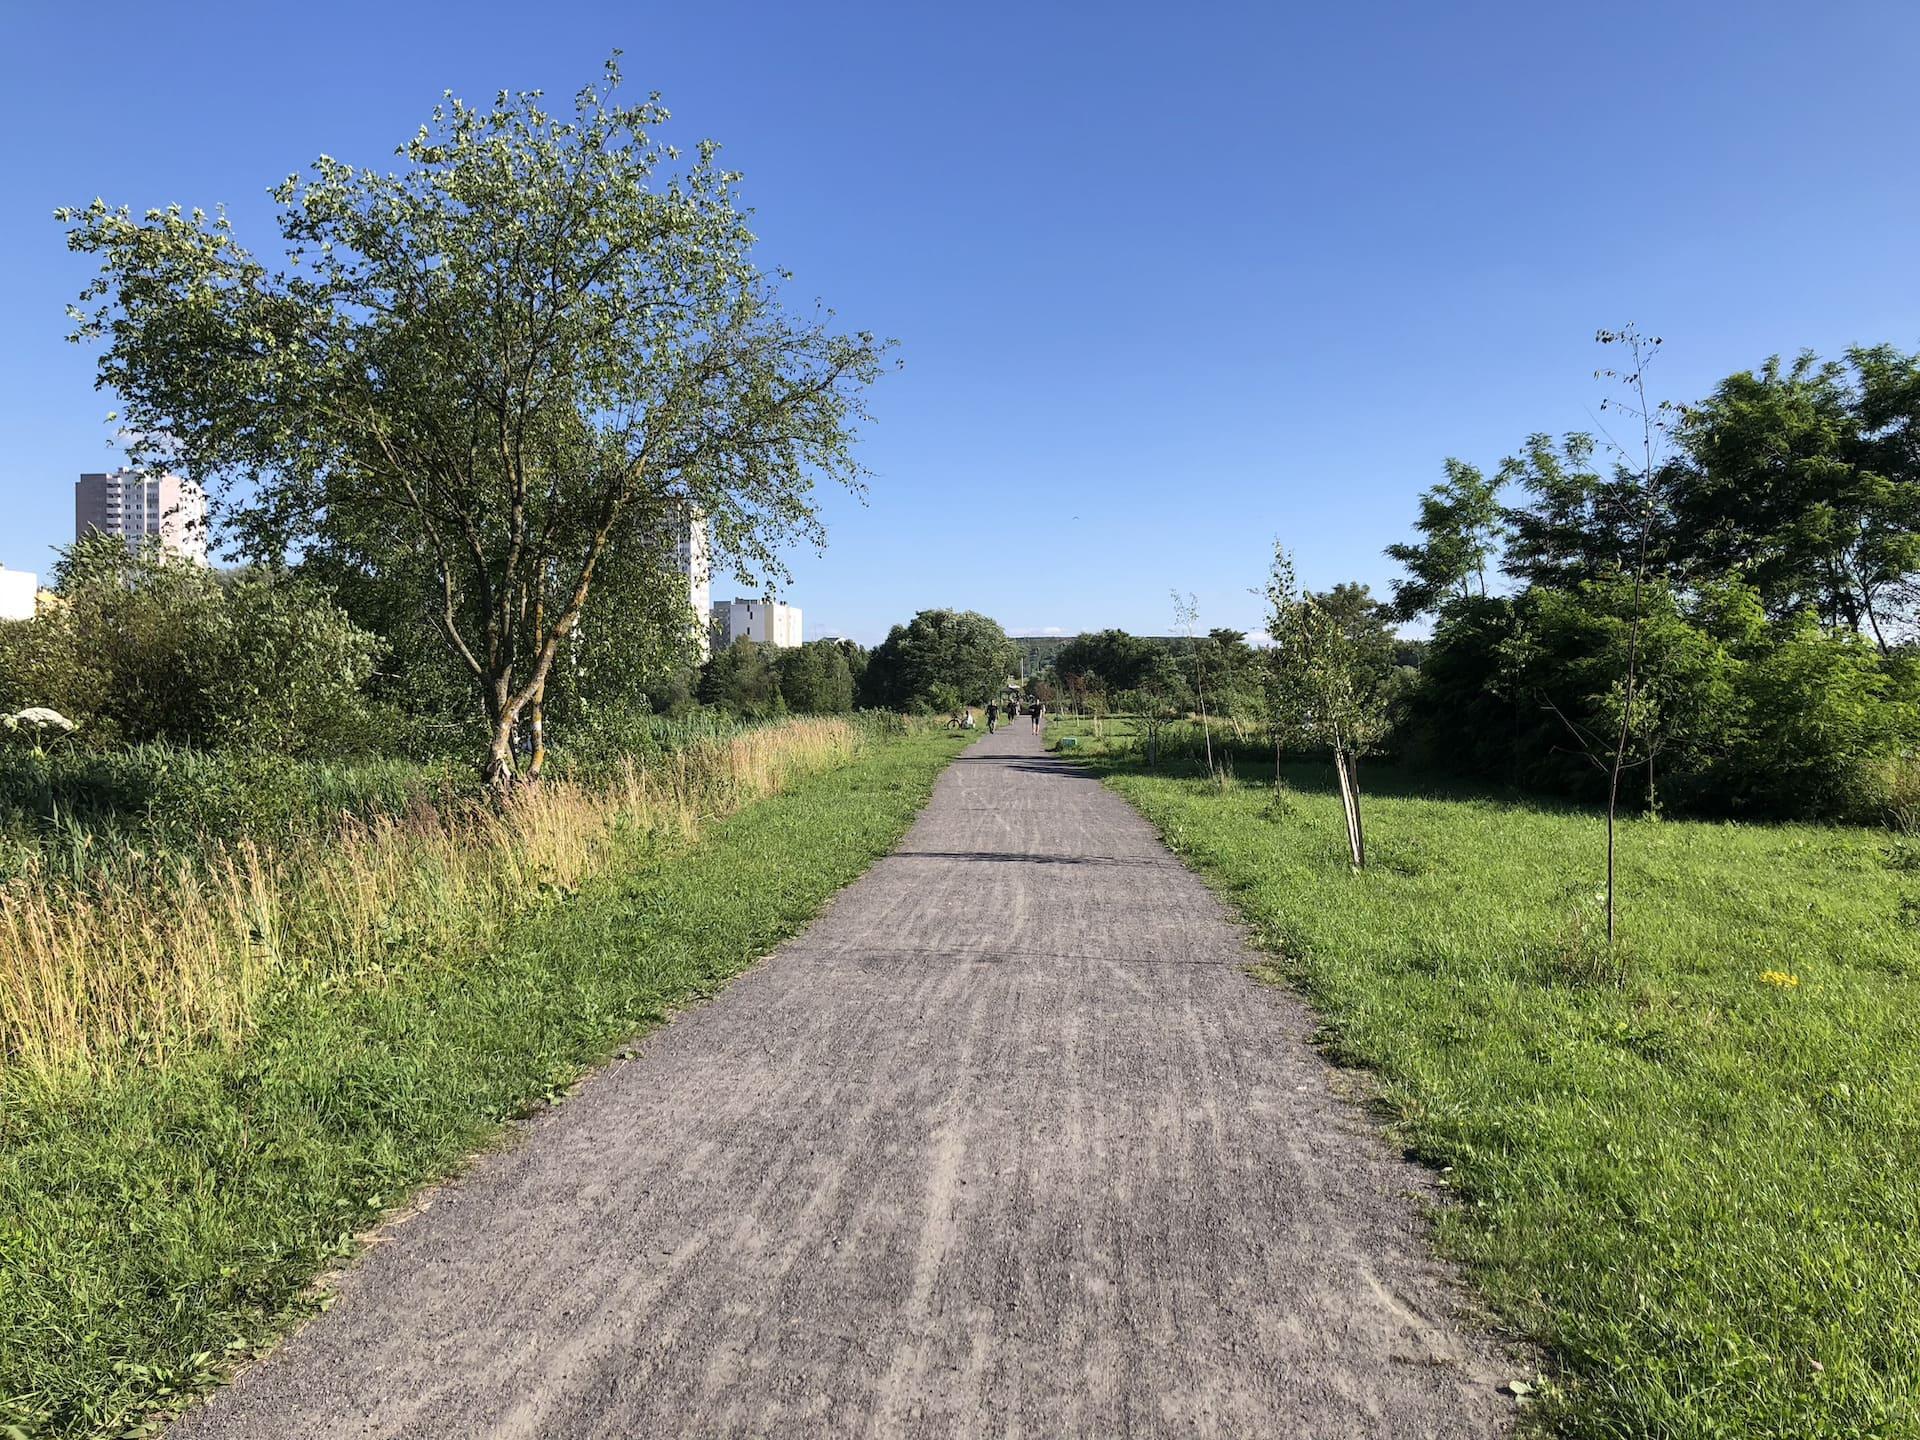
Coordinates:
[1230,671]
[480,371]
[940,659]
[1805,482]
[816,678]
[1460,527]
[1888,407]
[1105,659]
[743,678]
[1579,523]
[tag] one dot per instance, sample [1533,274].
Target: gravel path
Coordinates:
[1006,1144]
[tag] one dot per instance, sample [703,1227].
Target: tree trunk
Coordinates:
[537,723]
[537,702]
[498,771]
[1343,766]
[1613,804]
[502,715]
[1879,639]
[1279,782]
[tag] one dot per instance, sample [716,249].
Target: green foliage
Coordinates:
[1466,713]
[1783,568]
[942,698]
[1331,665]
[1822,725]
[1733,713]
[1567,656]
[481,375]
[1331,680]
[966,655]
[1460,528]
[1806,481]
[1103,668]
[1161,697]
[1231,672]
[754,680]
[742,679]
[1578,524]
[150,647]
[817,678]
[1107,660]
[638,638]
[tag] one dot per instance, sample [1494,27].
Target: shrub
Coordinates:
[1825,728]
[151,647]
[1742,714]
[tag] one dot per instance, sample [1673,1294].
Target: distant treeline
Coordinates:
[1761,568]
[1777,670]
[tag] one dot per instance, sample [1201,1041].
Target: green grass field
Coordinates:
[163,1221]
[1696,1182]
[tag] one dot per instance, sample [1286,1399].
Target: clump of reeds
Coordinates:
[179,949]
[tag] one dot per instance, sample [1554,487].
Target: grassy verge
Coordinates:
[1696,1177]
[160,1220]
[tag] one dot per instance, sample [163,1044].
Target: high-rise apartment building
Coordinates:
[134,506]
[693,554]
[767,621]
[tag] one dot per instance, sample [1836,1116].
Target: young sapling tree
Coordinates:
[1186,619]
[1329,684]
[1640,460]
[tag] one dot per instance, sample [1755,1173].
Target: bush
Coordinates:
[1743,714]
[1825,728]
[742,679]
[150,647]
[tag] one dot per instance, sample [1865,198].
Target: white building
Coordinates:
[693,556]
[134,506]
[767,621]
[17,591]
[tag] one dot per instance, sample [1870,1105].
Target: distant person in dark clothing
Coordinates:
[993,714]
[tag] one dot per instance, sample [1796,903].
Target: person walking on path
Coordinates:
[993,713]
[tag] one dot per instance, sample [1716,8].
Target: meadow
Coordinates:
[217,1081]
[1689,1168]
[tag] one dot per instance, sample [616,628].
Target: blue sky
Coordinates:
[1168,280]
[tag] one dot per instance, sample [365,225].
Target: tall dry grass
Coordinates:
[181,951]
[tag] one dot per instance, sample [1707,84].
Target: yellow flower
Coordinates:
[1779,978]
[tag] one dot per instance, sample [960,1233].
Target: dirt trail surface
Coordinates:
[1006,1144]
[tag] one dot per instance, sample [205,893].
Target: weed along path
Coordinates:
[1005,1144]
